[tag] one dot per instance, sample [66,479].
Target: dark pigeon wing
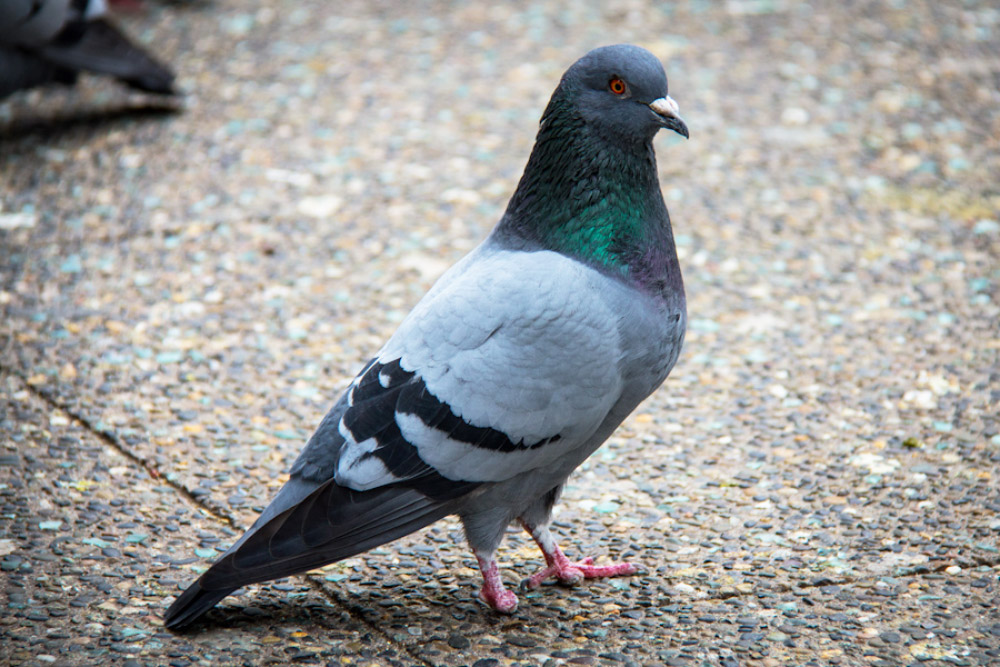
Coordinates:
[98,46]
[20,70]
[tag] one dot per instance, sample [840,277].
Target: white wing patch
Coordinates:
[357,469]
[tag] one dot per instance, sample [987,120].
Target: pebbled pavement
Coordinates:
[185,288]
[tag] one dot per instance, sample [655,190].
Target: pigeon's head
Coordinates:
[621,91]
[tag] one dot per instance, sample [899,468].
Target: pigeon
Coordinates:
[52,41]
[515,367]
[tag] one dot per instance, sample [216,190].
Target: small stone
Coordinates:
[71,264]
[320,207]
[794,116]
[986,226]
[18,220]
[522,640]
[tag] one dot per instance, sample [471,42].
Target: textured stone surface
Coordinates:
[185,292]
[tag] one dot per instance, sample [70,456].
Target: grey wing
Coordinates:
[314,521]
[504,368]
[366,413]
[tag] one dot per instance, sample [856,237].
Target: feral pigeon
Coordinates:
[513,369]
[51,41]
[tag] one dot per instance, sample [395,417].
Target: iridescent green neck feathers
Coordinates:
[594,199]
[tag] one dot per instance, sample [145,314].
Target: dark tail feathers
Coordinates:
[191,604]
[328,525]
[98,46]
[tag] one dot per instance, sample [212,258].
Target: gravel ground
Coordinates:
[186,287]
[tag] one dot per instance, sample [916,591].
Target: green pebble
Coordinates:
[986,226]
[171,357]
[979,284]
[71,264]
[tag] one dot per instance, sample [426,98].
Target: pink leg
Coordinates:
[563,569]
[493,592]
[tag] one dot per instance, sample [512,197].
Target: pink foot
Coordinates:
[561,568]
[501,600]
[493,592]
[570,573]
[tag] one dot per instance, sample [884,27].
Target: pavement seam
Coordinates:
[111,439]
[356,612]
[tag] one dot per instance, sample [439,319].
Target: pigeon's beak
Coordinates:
[667,110]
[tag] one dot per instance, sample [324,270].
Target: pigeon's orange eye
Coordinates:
[617,86]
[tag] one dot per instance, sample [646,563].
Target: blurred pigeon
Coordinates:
[43,41]
[518,363]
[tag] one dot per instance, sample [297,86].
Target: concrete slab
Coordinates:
[184,294]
